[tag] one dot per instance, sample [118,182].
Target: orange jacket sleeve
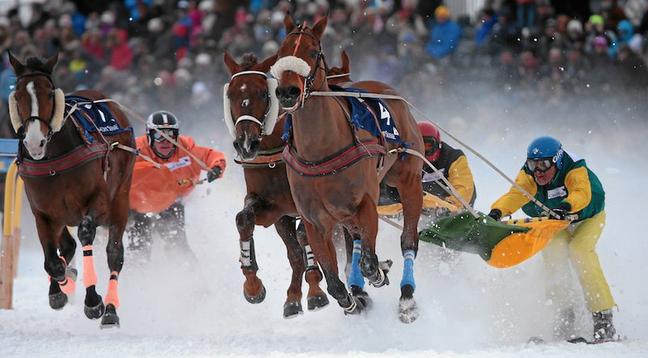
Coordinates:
[209,156]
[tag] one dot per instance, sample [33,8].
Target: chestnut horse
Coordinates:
[335,169]
[79,187]
[268,200]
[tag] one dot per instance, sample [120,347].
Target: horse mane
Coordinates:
[249,60]
[35,64]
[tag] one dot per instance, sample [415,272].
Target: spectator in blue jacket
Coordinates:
[445,34]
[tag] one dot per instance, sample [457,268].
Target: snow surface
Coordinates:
[468,310]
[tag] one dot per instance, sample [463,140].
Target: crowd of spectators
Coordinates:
[153,54]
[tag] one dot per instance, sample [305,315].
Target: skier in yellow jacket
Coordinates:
[566,185]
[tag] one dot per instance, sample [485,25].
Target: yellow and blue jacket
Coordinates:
[574,187]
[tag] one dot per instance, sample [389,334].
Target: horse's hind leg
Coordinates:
[328,262]
[286,229]
[115,255]
[316,298]
[355,280]
[411,195]
[93,304]
[253,289]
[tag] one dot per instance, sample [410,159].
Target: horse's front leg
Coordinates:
[286,229]
[316,298]
[253,289]
[412,199]
[93,304]
[366,223]
[319,241]
[54,265]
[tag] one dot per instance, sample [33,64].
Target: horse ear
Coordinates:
[266,64]
[345,62]
[289,24]
[50,63]
[231,64]
[319,27]
[18,66]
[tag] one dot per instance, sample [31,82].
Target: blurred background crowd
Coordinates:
[153,54]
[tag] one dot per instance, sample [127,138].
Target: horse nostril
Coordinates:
[42,143]
[293,91]
[237,146]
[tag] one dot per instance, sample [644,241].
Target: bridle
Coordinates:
[247,117]
[31,118]
[310,79]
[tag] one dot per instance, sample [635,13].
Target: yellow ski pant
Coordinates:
[576,244]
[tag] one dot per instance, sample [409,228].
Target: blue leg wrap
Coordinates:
[355,276]
[408,269]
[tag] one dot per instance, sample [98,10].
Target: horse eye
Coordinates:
[313,54]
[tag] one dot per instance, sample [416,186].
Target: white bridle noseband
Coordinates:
[270,116]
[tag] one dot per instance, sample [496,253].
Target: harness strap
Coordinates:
[77,157]
[265,159]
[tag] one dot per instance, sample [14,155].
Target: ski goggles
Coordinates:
[540,165]
[158,137]
[431,146]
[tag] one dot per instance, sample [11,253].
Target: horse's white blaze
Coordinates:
[33,139]
[290,63]
[247,142]
[34,99]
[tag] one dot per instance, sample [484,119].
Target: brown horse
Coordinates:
[335,170]
[268,201]
[70,182]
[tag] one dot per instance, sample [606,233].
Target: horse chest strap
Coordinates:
[77,157]
[335,163]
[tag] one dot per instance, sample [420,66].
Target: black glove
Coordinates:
[563,212]
[214,174]
[496,214]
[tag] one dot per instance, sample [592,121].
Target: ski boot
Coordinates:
[604,330]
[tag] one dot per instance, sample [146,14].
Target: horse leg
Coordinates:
[328,262]
[355,280]
[412,204]
[115,254]
[286,229]
[67,248]
[54,264]
[253,289]
[93,304]
[366,221]
[316,298]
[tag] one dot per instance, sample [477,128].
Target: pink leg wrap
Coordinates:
[112,297]
[89,273]
[68,285]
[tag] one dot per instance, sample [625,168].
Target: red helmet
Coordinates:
[432,140]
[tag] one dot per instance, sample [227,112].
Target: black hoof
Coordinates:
[257,299]
[317,302]
[356,306]
[94,312]
[110,318]
[362,296]
[292,309]
[58,300]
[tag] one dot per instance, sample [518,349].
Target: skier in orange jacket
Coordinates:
[179,174]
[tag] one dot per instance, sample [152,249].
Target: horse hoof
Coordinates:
[110,318]
[407,310]
[94,312]
[292,309]
[361,296]
[357,306]
[58,300]
[317,302]
[257,299]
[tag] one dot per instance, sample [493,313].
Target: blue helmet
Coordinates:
[546,147]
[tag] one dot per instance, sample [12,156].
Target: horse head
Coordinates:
[36,106]
[250,105]
[300,67]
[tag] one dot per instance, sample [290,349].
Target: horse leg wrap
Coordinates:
[112,297]
[350,306]
[66,284]
[408,269]
[89,273]
[248,258]
[309,258]
[355,275]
